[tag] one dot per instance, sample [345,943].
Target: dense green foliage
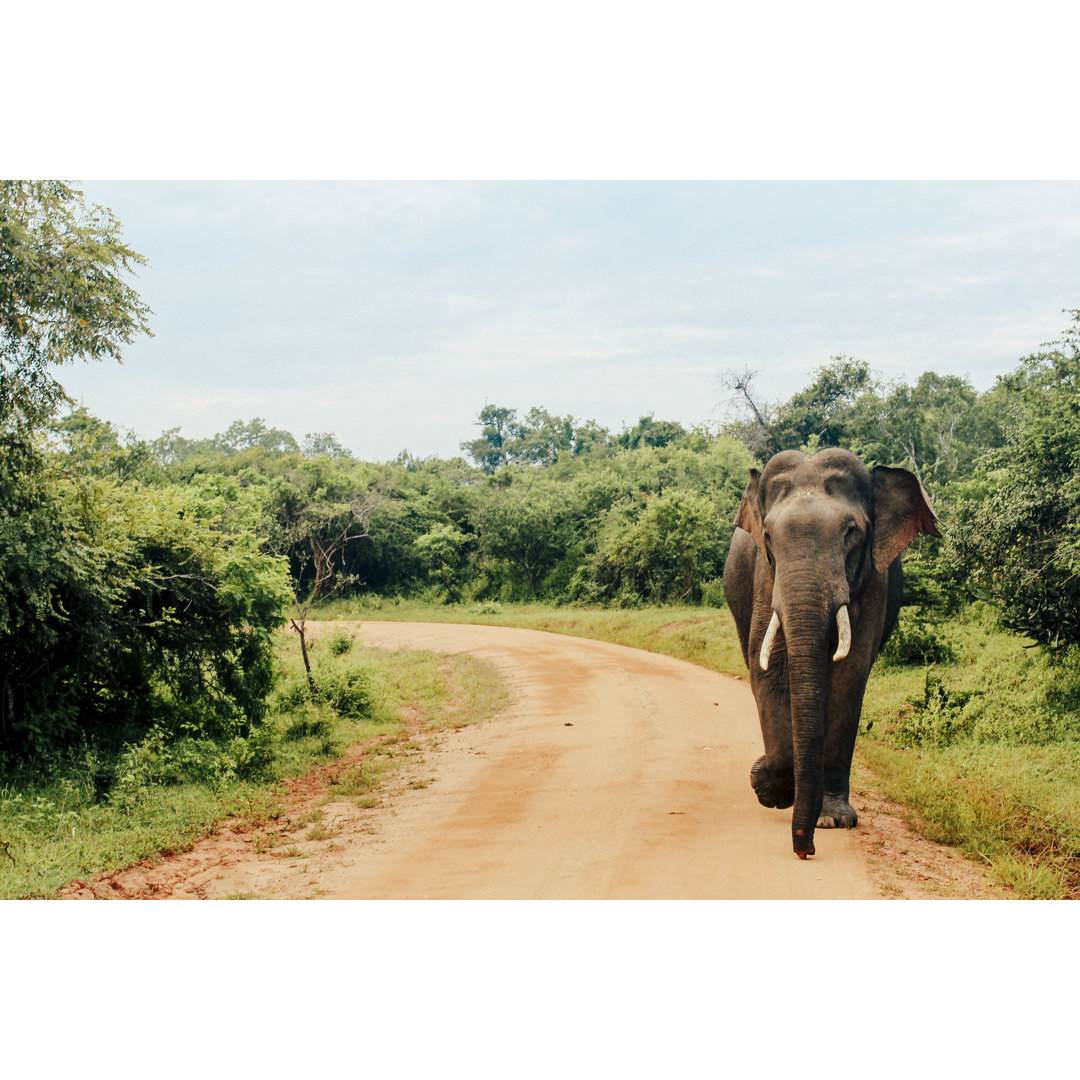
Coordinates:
[632,525]
[128,603]
[1019,525]
[557,510]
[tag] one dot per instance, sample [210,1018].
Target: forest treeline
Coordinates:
[141,580]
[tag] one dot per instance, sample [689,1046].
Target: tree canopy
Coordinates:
[1019,525]
[64,293]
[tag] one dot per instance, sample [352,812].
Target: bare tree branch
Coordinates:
[739,385]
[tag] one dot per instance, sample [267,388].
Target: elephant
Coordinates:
[814,582]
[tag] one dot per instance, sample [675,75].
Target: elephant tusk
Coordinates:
[767,644]
[843,626]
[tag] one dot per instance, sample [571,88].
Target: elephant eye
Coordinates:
[850,532]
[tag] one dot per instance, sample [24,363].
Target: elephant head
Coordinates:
[828,529]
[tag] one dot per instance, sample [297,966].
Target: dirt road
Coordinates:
[616,773]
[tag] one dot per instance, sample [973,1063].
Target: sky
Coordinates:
[389,313]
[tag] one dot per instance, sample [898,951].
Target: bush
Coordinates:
[712,593]
[941,718]
[914,640]
[663,552]
[1018,536]
[122,611]
[310,722]
[340,643]
[345,690]
[157,760]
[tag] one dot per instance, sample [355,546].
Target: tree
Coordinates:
[1018,530]
[95,445]
[649,431]
[822,414]
[664,553]
[441,549]
[540,439]
[526,527]
[500,429]
[63,294]
[754,432]
[243,440]
[826,413]
[240,436]
[323,444]
[317,515]
[123,607]
[936,428]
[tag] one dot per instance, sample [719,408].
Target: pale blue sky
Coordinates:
[389,313]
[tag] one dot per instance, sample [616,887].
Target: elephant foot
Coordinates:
[837,813]
[769,794]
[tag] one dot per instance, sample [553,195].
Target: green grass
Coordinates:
[983,750]
[86,813]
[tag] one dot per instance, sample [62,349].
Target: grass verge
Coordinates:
[702,635]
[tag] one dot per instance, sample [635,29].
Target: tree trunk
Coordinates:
[299,624]
[307,662]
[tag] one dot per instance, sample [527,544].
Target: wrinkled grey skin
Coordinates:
[813,535]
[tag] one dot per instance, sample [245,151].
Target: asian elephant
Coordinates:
[814,583]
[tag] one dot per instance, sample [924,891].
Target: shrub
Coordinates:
[942,717]
[346,690]
[158,760]
[310,722]
[660,553]
[122,610]
[916,641]
[712,593]
[1018,536]
[340,643]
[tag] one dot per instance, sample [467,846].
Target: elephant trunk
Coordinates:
[809,613]
[807,662]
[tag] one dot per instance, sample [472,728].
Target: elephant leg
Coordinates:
[772,776]
[841,728]
[739,572]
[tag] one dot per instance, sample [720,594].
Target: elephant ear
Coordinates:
[749,513]
[902,510]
